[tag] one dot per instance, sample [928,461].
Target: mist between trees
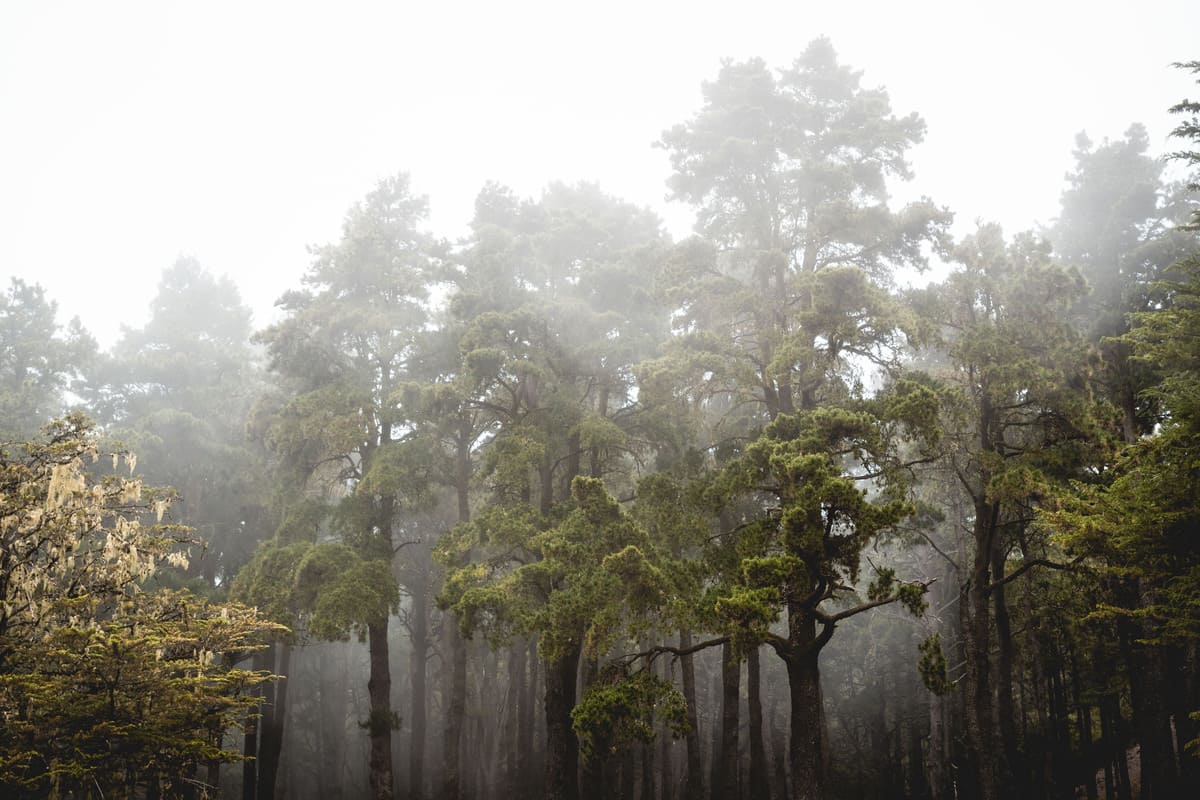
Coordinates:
[568,509]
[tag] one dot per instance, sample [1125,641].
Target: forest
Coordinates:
[818,502]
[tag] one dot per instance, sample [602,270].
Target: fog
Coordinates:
[643,403]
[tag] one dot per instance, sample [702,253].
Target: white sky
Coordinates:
[240,132]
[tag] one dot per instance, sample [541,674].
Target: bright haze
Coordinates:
[239,133]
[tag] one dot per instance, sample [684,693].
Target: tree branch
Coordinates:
[1028,565]
[833,619]
[678,652]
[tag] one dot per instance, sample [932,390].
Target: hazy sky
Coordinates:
[239,133]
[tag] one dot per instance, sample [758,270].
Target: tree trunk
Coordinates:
[714,751]
[250,734]
[646,773]
[455,678]
[665,768]
[1151,722]
[694,785]
[1107,743]
[779,751]
[419,640]
[212,773]
[759,784]
[1083,726]
[596,770]
[1111,710]
[526,721]
[1183,698]
[271,725]
[805,741]
[980,714]
[381,720]
[513,711]
[1012,769]
[562,747]
[939,749]
[731,679]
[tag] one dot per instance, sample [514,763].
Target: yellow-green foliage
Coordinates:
[618,711]
[342,592]
[104,685]
[585,580]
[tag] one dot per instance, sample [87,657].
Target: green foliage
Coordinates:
[138,697]
[619,710]
[380,721]
[932,665]
[1141,520]
[816,487]
[342,593]
[590,578]
[102,685]
[1188,128]
[178,391]
[269,581]
[38,359]
[72,545]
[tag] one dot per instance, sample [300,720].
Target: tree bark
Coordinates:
[694,782]
[562,747]
[731,679]
[805,742]
[527,720]
[513,711]
[250,735]
[1011,768]
[759,784]
[596,770]
[380,722]
[271,726]
[455,677]
[1151,721]
[980,713]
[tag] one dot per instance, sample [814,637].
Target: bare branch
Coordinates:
[1028,565]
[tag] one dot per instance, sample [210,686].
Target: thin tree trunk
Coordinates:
[212,774]
[939,751]
[714,754]
[666,761]
[1012,769]
[759,784]
[694,785]
[513,711]
[526,720]
[1083,718]
[250,734]
[419,640]
[1108,743]
[454,677]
